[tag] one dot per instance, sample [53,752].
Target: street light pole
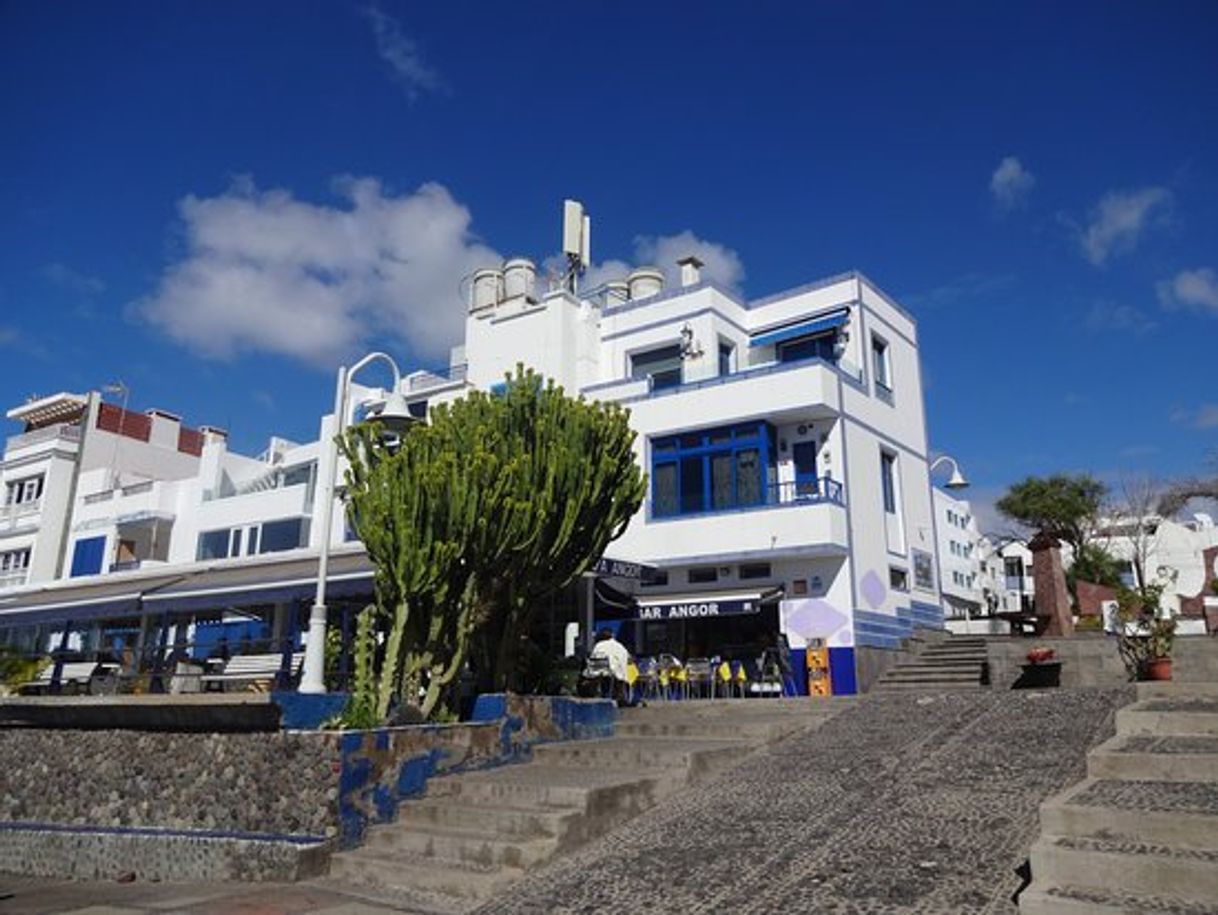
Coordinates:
[957,480]
[312,677]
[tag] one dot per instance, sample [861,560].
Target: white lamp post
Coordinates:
[396,416]
[957,480]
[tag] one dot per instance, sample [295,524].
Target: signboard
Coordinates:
[924,570]
[616,568]
[699,609]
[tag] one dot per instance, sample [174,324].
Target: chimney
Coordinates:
[691,270]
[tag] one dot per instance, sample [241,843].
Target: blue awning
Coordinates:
[801,329]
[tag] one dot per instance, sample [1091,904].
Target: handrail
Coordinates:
[790,492]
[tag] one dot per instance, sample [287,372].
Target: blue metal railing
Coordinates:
[802,492]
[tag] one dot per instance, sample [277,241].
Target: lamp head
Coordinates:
[957,480]
[394,414]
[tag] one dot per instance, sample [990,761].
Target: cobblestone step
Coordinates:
[1073,900]
[462,846]
[1170,717]
[762,730]
[1180,814]
[552,787]
[1152,758]
[506,820]
[364,867]
[1126,867]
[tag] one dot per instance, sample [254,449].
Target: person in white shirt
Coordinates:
[615,653]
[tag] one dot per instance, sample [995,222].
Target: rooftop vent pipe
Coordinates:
[691,270]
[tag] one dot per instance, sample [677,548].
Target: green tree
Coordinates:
[1065,506]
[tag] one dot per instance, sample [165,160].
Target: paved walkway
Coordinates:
[903,804]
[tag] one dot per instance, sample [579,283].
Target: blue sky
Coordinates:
[217,202]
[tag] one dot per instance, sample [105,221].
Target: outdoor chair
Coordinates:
[648,681]
[74,677]
[255,671]
[699,676]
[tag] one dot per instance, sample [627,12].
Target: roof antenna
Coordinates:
[576,234]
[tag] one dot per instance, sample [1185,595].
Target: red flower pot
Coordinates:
[1158,669]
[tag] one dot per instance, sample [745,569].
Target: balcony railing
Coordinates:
[13,579]
[803,492]
[20,513]
[67,431]
[421,381]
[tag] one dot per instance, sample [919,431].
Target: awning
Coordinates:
[611,604]
[801,329]
[705,604]
[80,602]
[265,583]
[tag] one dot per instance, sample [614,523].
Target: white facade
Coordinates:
[960,557]
[784,439]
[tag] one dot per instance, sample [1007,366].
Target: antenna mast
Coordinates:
[576,235]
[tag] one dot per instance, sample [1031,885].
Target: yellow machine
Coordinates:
[819,681]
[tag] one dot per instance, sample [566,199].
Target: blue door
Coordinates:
[804,454]
[87,557]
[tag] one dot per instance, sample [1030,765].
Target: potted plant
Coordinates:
[1144,637]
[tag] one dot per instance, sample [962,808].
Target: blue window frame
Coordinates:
[87,556]
[822,346]
[711,470]
[725,358]
[662,365]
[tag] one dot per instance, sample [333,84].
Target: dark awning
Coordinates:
[74,602]
[266,583]
[703,604]
[801,329]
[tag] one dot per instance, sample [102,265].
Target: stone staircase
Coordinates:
[1140,833]
[952,663]
[472,835]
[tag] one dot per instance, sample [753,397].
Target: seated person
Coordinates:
[615,653]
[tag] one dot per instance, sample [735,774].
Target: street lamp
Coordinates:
[957,480]
[396,417]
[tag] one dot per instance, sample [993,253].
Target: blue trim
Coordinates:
[842,677]
[805,328]
[767,369]
[671,450]
[87,556]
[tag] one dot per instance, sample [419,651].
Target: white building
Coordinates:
[784,439]
[960,548]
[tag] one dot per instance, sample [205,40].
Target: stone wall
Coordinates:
[74,803]
[1093,660]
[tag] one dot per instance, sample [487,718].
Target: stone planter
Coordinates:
[1043,675]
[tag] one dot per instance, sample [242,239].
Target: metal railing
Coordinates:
[14,579]
[421,381]
[13,515]
[802,492]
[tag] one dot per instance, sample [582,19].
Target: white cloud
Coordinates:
[1105,316]
[1119,219]
[265,271]
[402,54]
[719,262]
[65,277]
[1011,183]
[1195,289]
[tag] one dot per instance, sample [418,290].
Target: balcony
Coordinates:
[13,579]
[808,492]
[68,432]
[20,515]
[426,380]
[783,391]
[795,520]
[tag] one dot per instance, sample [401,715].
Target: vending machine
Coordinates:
[820,683]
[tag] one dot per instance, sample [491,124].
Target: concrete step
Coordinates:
[1178,814]
[398,898]
[1170,717]
[461,846]
[943,671]
[924,687]
[364,867]
[1151,758]
[694,756]
[957,657]
[1073,900]
[546,786]
[752,729]
[1126,867]
[502,820]
[1175,689]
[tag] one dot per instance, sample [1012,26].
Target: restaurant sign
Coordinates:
[698,609]
[616,568]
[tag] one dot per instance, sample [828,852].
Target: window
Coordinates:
[658,579]
[19,492]
[661,365]
[725,358]
[703,575]
[888,483]
[823,346]
[712,470]
[880,364]
[924,574]
[214,544]
[755,570]
[799,587]
[418,409]
[15,560]
[298,475]
[898,579]
[288,534]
